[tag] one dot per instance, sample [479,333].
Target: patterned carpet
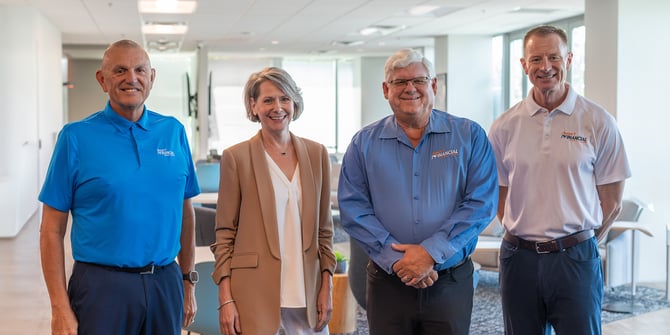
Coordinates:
[487,311]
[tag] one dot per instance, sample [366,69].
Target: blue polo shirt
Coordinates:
[440,195]
[124,184]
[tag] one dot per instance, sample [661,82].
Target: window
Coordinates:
[317,80]
[578,49]
[513,84]
[332,100]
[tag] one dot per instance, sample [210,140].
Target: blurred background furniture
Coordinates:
[208,178]
[205,221]
[343,320]
[358,262]
[208,175]
[624,228]
[206,320]
[667,262]
[487,251]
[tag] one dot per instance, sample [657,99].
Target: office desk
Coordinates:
[206,198]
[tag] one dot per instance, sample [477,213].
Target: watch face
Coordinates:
[192,276]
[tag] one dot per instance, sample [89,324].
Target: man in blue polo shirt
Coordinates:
[416,188]
[126,175]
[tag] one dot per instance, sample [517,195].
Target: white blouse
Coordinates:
[288,202]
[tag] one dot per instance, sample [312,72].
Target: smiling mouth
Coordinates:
[546,76]
[277,117]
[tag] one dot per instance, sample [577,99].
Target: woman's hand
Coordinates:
[324,301]
[229,319]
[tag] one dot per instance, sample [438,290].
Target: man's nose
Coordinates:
[131,76]
[546,64]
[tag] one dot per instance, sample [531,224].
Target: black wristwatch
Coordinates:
[191,276]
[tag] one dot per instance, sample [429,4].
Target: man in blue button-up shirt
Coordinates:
[416,189]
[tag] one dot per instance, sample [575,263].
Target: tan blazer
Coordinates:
[247,241]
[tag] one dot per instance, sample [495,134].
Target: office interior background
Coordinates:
[620,47]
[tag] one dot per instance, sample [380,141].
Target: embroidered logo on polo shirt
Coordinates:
[572,136]
[444,153]
[165,152]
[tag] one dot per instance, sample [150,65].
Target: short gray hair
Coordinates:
[405,57]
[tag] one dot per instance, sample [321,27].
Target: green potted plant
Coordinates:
[341,260]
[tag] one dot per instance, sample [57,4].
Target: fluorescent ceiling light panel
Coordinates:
[422,10]
[167,6]
[380,29]
[368,31]
[164,28]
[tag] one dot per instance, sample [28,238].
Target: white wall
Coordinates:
[469,88]
[644,118]
[30,64]
[628,45]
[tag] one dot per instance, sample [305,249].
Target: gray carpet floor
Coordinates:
[487,310]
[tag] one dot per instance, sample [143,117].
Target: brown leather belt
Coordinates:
[556,245]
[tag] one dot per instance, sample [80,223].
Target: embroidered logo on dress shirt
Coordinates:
[572,136]
[444,153]
[165,152]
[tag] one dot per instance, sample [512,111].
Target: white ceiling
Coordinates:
[297,26]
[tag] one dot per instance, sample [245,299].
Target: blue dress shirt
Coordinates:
[440,195]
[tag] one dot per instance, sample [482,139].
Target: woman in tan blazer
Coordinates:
[274,230]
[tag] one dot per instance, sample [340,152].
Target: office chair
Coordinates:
[206,320]
[205,222]
[628,219]
[358,262]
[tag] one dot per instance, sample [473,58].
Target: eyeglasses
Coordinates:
[417,82]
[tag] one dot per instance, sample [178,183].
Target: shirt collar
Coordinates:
[566,107]
[435,125]
[122,123]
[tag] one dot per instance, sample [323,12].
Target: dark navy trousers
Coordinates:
[109,302]
[445,308]
[563,290]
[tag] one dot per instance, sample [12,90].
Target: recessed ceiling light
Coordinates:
[380,29]
[164,28]
[167,6]
[346,43]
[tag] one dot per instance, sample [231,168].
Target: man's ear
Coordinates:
[523,65]
[101,80]
[153,76]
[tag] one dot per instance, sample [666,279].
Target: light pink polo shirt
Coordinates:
[551,162]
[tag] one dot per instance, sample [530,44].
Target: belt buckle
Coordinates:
[539,249]
[150,271]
